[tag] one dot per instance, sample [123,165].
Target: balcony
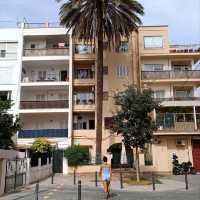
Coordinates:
[193,48]
[44,104]
[84,105]
[167,75]
[84,134]
[84,77]
[178,122]
[46,52]
[48,133]
[84,52]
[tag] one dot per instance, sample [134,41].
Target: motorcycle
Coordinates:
[180,169]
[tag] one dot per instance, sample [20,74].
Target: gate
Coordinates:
[58,161]
[15,174]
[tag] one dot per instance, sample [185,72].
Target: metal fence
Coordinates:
[15,174]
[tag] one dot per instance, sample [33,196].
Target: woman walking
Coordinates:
[106,174]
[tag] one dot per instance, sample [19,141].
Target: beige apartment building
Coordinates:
[171,73]
[57,92]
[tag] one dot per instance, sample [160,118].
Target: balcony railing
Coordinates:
[193,48]
[87,75]
[84,102]
[47,52]
[44,104]
[189,98]
[28,79]
[43,25]
[49,133]
[152,75]
[175,122]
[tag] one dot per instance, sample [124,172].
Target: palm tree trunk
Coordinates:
[99,84]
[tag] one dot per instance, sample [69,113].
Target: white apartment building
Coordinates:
[10,65]
[45,85]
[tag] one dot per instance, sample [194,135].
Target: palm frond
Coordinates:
[119,18]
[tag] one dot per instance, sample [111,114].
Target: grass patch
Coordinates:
[143,181]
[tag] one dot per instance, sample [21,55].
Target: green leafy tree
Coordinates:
[9,125]
[41,145]
[101,20]
[77,155]
[133,120]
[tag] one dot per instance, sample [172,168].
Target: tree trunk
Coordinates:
[137,165]
[99,84]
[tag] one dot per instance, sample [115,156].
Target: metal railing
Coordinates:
[43,25]
[49,133]
[185,48]
[84,102]
[189,98]
[47,52]
[88,75]
[175,122]
[28,79]
[44,104]
[150,75]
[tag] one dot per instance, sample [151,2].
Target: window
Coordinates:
[32,46]
[153,67]
[8,49]
[123,47]
[148,158]
[105,96]
[158,94]
[3,54]
[5,95]
[108,122]
[153,42]
[105,70]
[122,71]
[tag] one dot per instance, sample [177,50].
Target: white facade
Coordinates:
[45,85]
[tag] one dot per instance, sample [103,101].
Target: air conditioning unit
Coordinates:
[156,140]
[180,142]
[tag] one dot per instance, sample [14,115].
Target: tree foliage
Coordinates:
[115,18]
[77,155]
[133,120]
[41,145]
[9,125]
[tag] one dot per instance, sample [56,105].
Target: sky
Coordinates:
[182,16]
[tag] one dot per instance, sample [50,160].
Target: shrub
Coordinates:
[77,155]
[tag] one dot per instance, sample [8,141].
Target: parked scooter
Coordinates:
[180,169]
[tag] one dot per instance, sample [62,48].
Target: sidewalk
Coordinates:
[63,189]
[88,181]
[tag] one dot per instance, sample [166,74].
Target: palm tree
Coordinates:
[99,20]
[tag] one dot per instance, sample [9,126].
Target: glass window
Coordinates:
[105,70]
[123,47]
[153,42]
[3,53]
[122,71]
[5,95]
[148,157]
[159,94]
[153,67]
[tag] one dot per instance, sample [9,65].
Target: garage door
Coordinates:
[196,154]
